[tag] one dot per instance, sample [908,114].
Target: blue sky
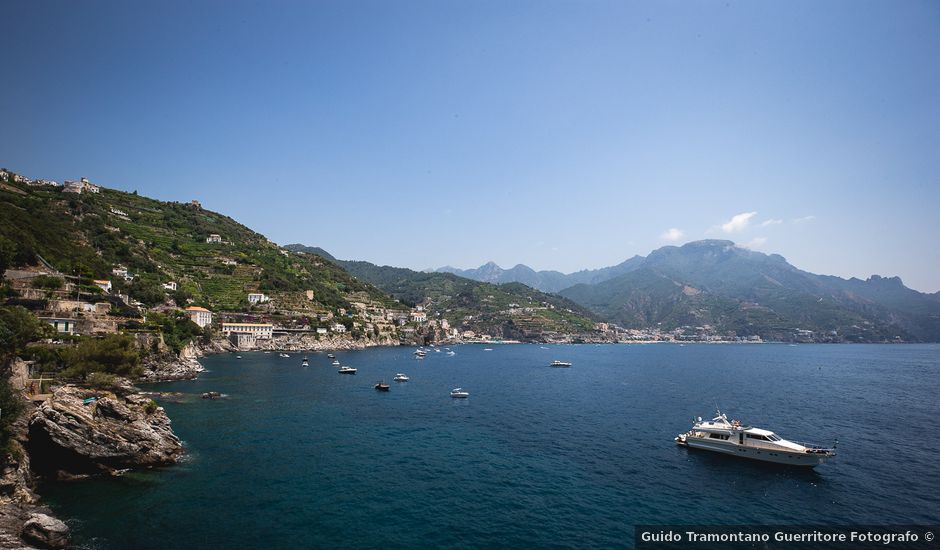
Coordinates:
[562,135]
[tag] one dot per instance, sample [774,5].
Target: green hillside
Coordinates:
[88,234]
[512,310]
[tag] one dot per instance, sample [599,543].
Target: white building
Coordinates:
[257,298]
[170,286]
[258,330]
[62,326]
[200,315]
[103,285]
[214,238]
[338,328]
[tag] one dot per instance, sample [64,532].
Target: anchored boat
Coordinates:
[730,437]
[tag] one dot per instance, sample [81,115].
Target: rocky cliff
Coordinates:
[81,432]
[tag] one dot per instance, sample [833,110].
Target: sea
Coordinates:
[305,457]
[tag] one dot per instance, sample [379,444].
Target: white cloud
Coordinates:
[672,234]
[768,223]
[756,242]
[804,219]
[738,223]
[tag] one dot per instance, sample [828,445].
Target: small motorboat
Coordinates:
[305,363]
[420,353]
[335,362]
[400,377]
[381,386]
[284,355]
[347,370]
[487,349]
[238,357]
[459,392]
[331,356]
[559,364]
[451,353]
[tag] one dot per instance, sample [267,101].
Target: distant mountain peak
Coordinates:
[709,243]
[886,281]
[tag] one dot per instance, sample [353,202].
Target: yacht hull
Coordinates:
[806,460]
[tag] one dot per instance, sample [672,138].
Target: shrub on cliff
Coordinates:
[19,327]
[11,406]
[112,354]
[177,328]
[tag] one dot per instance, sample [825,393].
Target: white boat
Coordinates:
[331,356]
[451,353]
[730,437]
[347,370]
[487,349]
[420,353]
[401,378]
[459,392]
[284,355]
[561,364]
[335,362]
[238,357]
[305,363]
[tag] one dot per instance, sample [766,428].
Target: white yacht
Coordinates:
[730,437]
[346,370]
[335,362]
[562,364]
[305,363]
[459,392]
[401,377]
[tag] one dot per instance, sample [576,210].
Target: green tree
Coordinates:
[19,327]
[11,406]
[113,354]
[7,252]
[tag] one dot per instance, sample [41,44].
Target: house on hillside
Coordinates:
[73,187]
[60,324]
[339,328]
[90,187]
[170,286]
[200,315]
[214,238]
[103,285]
[257,298]
[419,316]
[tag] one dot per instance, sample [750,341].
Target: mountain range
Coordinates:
[546,281]
[509,310]
[733,289]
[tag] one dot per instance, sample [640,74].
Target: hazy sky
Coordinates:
[562,135]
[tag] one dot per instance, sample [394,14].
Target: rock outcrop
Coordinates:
[45,531]
[167,366]
[73,435]
[19,506]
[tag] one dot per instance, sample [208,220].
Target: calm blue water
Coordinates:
[536,456]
